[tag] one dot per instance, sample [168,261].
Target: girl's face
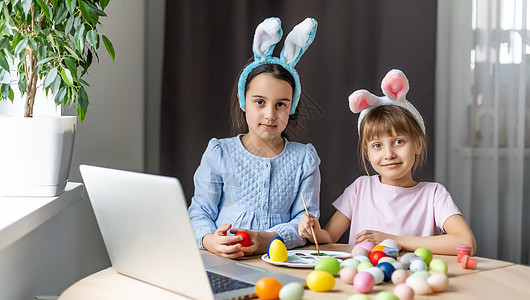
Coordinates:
[392,157]
[268,103]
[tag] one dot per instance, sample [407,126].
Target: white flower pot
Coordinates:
[35,155]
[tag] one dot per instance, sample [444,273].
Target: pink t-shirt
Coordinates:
[416,211]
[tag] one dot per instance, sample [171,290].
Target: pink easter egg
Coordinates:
[347,274]
[366,245]
[399,276]
[404,292]
[359,251]
[364,282]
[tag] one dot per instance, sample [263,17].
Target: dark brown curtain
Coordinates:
[357,42]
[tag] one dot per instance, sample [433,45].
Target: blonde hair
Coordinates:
[386,120]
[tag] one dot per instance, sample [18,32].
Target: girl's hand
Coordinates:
[304,227]
[373,236]
[219,243]
[260,240]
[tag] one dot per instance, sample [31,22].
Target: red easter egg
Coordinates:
[375,256]
[246,239]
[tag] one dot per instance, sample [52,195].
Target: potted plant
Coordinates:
[47,45]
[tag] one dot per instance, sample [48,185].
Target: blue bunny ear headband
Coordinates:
[267,35]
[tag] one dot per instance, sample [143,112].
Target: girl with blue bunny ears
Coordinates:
[390,204]
[254,181]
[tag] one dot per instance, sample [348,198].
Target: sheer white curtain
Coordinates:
[483,120]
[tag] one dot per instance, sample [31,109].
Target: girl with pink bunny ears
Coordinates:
[390,204]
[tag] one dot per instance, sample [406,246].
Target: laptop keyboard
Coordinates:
[222,283]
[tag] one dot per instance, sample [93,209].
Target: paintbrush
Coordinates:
[312,230]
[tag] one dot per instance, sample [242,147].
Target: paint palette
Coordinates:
[305,258]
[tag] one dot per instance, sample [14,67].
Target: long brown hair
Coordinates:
[238,123]
[385,120]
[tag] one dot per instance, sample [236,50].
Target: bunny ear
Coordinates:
[361,99]
[267,35]
[395,85]
[298,40]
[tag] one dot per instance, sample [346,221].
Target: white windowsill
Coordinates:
[21,215]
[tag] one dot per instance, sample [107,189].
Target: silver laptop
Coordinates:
[148,235]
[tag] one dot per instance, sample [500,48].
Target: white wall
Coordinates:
[112,134]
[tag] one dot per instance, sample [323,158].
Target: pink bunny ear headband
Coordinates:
[395,86]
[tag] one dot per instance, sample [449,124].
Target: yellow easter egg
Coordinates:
[277,250]
[320,281]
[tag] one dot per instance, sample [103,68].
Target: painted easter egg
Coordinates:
[387,269]
[350,262]
[364,282]
[268,288]
[277,250]
[320,281]
[328,264]
[404,292]
[438,282]
[438,266]
[246,239]
[378,274]
[366,245]
[347,274]
[399,276]
[418,265]
[386,295]
[364,265]
[375,256]
[418,284]
[292,291]
[425,253]
[359,297]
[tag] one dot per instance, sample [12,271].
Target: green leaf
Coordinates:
[32,45]
[50,78]
[21,46]
[61,15]
[45,60]
[11,94]
[108,46]
[44,9]
[85,11]
[72,52]
[69,25]
[22,83]
[3,62]
[71,6]
[104,3]
[26,6]
[70,63]
[79,37]
[77,21]
[42,51]
[96,10]
[84,82]
[67,77]
[60,96]
[72,66]
[82,99]
[56,84]
[6,92]
[3,43]
[93,38]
